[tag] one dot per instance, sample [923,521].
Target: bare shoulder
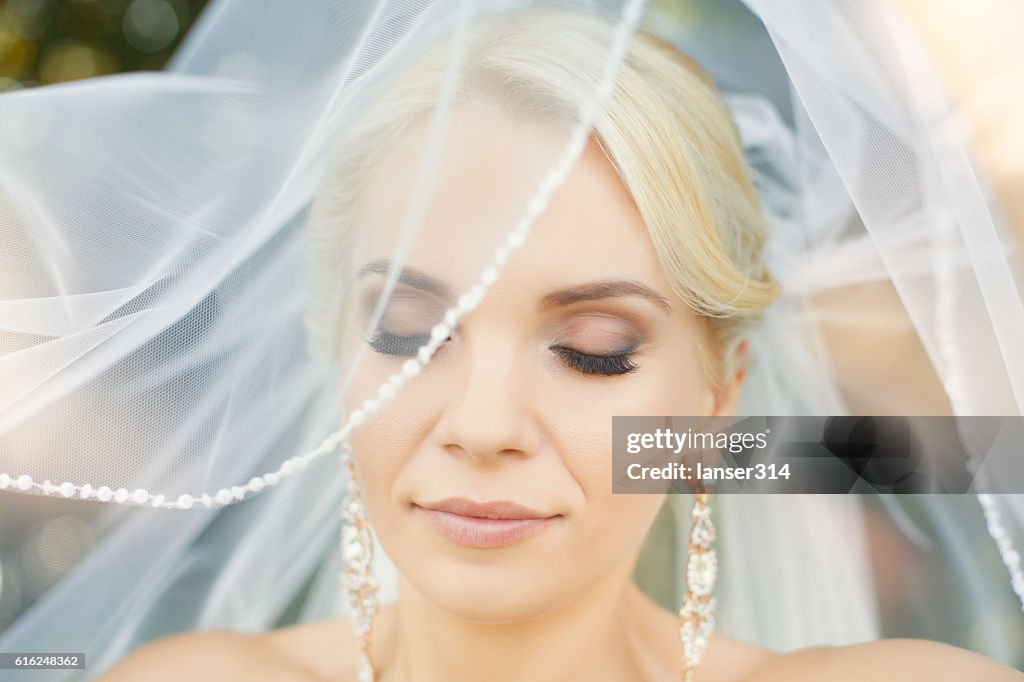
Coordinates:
[218,654]
[887,659]
[326,648]
[731,648]
[726,659]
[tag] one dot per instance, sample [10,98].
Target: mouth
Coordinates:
[484,525]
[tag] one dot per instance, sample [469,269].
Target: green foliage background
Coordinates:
[51,41]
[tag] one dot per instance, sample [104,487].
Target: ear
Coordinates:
[727,396]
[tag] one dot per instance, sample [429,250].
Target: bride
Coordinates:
[484,470]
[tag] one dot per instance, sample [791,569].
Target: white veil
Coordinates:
[153,292]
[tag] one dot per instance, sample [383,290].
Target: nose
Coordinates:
[487,417]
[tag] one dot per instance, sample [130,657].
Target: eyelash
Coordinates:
[604,365]
[387,343]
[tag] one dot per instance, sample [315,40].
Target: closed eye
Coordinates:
[387,343]
[587,363]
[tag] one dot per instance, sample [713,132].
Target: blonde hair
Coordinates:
[664,128]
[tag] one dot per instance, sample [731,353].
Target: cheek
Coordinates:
[387,440]
[629,517]
[381,443]
[611,527]
[577,413]
[578,418]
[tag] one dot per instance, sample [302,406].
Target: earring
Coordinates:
[358,584]
[696,616]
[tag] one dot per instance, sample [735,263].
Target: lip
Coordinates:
[484,525]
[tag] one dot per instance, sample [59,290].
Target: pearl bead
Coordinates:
[440,332]
[489,276]
[238,492]
[501,255]
[397,380]
[223,496]
[104,494]
[550,183]
[329,443]
[158,500]
[140,496]
[423,355]
[47,487]
[24,482]
[386,391]
[357,418]
[537,205]
[256,484]
[206,500]
[273,478]
[121,496]
[579,135]
[516,238]
[565,165]
[86,492]
[370,406]
[411,368]
[185,501]
[5,481]
[67,489]
[451,317]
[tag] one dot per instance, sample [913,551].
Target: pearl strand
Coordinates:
[945,315]
[1010,556]
[555,177]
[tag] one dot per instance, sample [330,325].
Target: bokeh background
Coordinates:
[53,41]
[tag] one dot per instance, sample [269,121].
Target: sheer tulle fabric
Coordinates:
[157,310]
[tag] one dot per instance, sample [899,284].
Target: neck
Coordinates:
[594,638]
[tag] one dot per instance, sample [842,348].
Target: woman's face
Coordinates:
[512,418]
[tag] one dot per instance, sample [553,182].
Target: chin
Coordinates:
[492,594]
[503,585]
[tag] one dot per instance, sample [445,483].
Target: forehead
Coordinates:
[463,192]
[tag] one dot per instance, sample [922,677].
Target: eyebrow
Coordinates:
[408,276]
[612,288]
[591,291]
